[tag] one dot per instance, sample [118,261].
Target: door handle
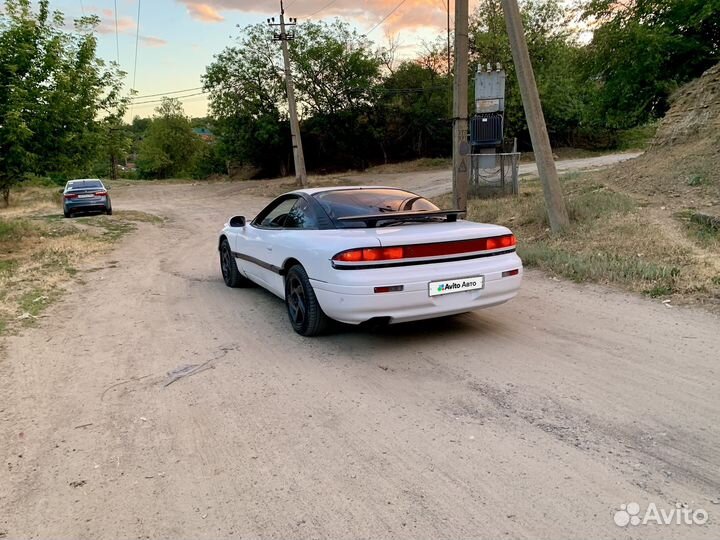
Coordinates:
[269,248]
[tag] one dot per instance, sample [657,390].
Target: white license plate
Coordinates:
[437,288]
[88,196]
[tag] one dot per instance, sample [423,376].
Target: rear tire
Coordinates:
[67,214]
[306,315]
[109,211]
[231,275]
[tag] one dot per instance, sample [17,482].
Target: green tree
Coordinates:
[412,112]
[642,50]
[170,146]
[246,88]
[53,91]
[555,55]
[335,71]
[334,68]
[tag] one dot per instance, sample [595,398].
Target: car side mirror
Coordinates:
[237,221]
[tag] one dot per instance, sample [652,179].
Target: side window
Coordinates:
[277,216]
[300,216]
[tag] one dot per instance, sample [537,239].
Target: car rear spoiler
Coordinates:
[372,220]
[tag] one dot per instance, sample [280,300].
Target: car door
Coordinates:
[257,246]
[289,241]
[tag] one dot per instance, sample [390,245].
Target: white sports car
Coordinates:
[369,255]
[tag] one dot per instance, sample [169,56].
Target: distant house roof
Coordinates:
[202,131]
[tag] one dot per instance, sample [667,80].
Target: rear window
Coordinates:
[85,184]
[363,202]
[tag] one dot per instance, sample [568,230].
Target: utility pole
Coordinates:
[449,61]
[557,213]
[449,58]
[461,147]
[283,37]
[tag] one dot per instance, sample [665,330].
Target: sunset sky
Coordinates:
[178,38]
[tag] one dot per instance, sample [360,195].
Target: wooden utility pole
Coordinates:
[283,37]
[461,147]
[557,213]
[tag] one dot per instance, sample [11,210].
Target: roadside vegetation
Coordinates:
[615,238]
[41,253]
[361,106]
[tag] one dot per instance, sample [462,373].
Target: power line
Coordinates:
[321,9]
[117,34]
[161,100]
[82,8]
[167,93]
[152,101]
[386,16]
[137,45]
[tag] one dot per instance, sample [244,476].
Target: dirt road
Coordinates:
[538,418]
[434,183]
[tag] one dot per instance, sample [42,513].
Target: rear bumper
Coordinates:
[85,205]
[356,303]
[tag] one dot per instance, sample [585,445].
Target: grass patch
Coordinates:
[13,230]
[602,267]
[613,239]
[637,138]
[41,250]
[699,179]
[7,266]
[33,302]
[112,229]
[701,228]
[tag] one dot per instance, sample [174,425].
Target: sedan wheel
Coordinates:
[306,315]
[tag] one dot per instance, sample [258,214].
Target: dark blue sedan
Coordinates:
[86,195]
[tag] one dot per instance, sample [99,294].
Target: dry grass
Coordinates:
[275,188]
[40,251]
[423,164]
[614,238]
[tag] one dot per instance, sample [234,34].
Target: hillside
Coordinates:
[681,167]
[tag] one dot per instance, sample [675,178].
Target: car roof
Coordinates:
[313,191]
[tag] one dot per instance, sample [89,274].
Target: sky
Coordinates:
[178,38]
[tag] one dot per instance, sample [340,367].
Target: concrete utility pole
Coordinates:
[461,147]
[557,213]
[284,37]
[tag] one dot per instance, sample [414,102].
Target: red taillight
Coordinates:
[390,288]
[509,273]
[70,196]
[426,250]
[370,254]
[101,193]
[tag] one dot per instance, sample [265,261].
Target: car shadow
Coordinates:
[473,323]
[429,329]
[85,213]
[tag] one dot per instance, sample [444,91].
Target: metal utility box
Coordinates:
[486,130]
[493,169]
[489,90]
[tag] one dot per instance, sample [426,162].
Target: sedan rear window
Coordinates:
[362,202]
[85,184]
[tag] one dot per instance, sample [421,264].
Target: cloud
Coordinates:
[125,25]
[203,12]
[411,15]
[152,41]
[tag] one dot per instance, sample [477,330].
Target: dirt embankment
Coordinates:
[682,166]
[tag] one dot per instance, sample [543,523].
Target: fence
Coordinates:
[494,174]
